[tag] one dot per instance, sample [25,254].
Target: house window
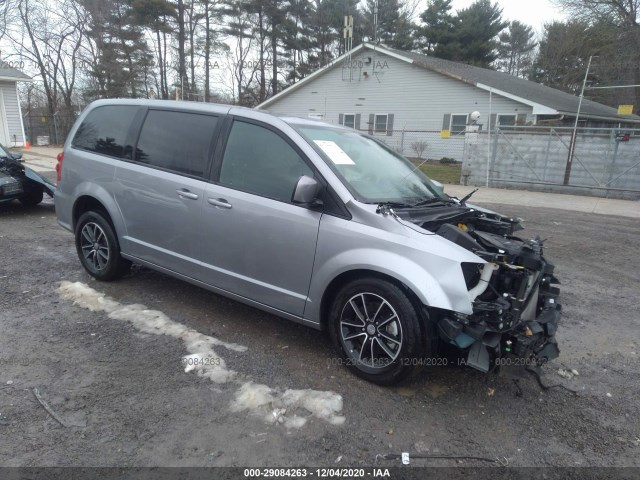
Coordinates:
[380,124]
[506,120]
[349,120]
[458,124]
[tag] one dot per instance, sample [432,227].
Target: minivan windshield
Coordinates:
[373,172]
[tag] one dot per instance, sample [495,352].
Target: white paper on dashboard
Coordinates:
[334,152]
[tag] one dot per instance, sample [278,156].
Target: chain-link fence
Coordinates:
[430,145]
[47,129]
[605,162]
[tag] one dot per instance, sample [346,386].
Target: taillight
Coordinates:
[60,158]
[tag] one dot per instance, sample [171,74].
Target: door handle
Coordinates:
[184,193]
[219,202]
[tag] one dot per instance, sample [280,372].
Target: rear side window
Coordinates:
[257,160]
[105,130]
[177,141]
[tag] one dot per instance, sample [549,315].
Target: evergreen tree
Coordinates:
[155,15]
[439,24]
[476,29]
[394,28]
[516,48]
[298,41]
[563,55]
[469,36]
[123,57]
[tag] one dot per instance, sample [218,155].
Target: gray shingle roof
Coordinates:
[550,97]
[7,71]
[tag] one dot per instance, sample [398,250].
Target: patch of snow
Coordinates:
[275,406]
[295,422]
[321,404]
[202,358]
[253,396]
[271,405]
[86,297]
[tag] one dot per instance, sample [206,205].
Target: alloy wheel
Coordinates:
[371,330]
[94,245]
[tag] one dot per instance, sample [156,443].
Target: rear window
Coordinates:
[177,141]
[105,130]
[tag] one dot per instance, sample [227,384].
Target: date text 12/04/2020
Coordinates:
[446,362]
[317,472]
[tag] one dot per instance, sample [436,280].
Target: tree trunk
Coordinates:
[182,71]
[263,75]
[165,94]
[160,64]
[192,48]
[239,70]
[274,59]
[207,51]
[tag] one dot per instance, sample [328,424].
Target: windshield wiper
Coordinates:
[434,201]
[395,205]
[464,199]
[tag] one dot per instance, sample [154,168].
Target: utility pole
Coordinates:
[572,146]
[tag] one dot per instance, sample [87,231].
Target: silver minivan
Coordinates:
[316,223]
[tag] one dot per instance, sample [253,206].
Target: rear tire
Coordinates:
[98,249]
[375,329]
[32,198]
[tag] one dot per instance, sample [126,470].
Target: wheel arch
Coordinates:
[87,203]
[427,340]
[345,277]
[96,198]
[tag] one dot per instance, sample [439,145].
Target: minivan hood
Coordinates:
[409,233]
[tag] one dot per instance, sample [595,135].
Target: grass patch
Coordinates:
[443,173]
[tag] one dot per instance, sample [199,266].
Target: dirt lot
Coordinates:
[125,398]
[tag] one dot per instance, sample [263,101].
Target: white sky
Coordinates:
[530,12]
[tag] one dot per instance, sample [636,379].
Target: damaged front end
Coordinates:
[18,181]
[513,296]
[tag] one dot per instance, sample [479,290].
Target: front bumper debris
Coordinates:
[516,314]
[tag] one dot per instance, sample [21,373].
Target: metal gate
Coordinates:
[606,162]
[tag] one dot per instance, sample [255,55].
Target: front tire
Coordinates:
[98,249]
[375,328]
[32,198]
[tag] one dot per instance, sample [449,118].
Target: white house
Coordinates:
[11,126]
[404,96]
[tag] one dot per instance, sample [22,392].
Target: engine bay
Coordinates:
[514,295]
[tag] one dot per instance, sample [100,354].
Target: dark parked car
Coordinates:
[18,182]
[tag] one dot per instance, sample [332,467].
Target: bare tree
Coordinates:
[624,12]
[213,24]
[419,147]
[69,42]
[238,28]
[617,23]
[3,17]
[42,36]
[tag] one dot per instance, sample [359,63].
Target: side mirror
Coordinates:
[16,156]
[306,191]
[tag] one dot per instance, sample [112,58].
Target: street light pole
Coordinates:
[572,146]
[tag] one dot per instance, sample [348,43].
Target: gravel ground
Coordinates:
[126,400]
